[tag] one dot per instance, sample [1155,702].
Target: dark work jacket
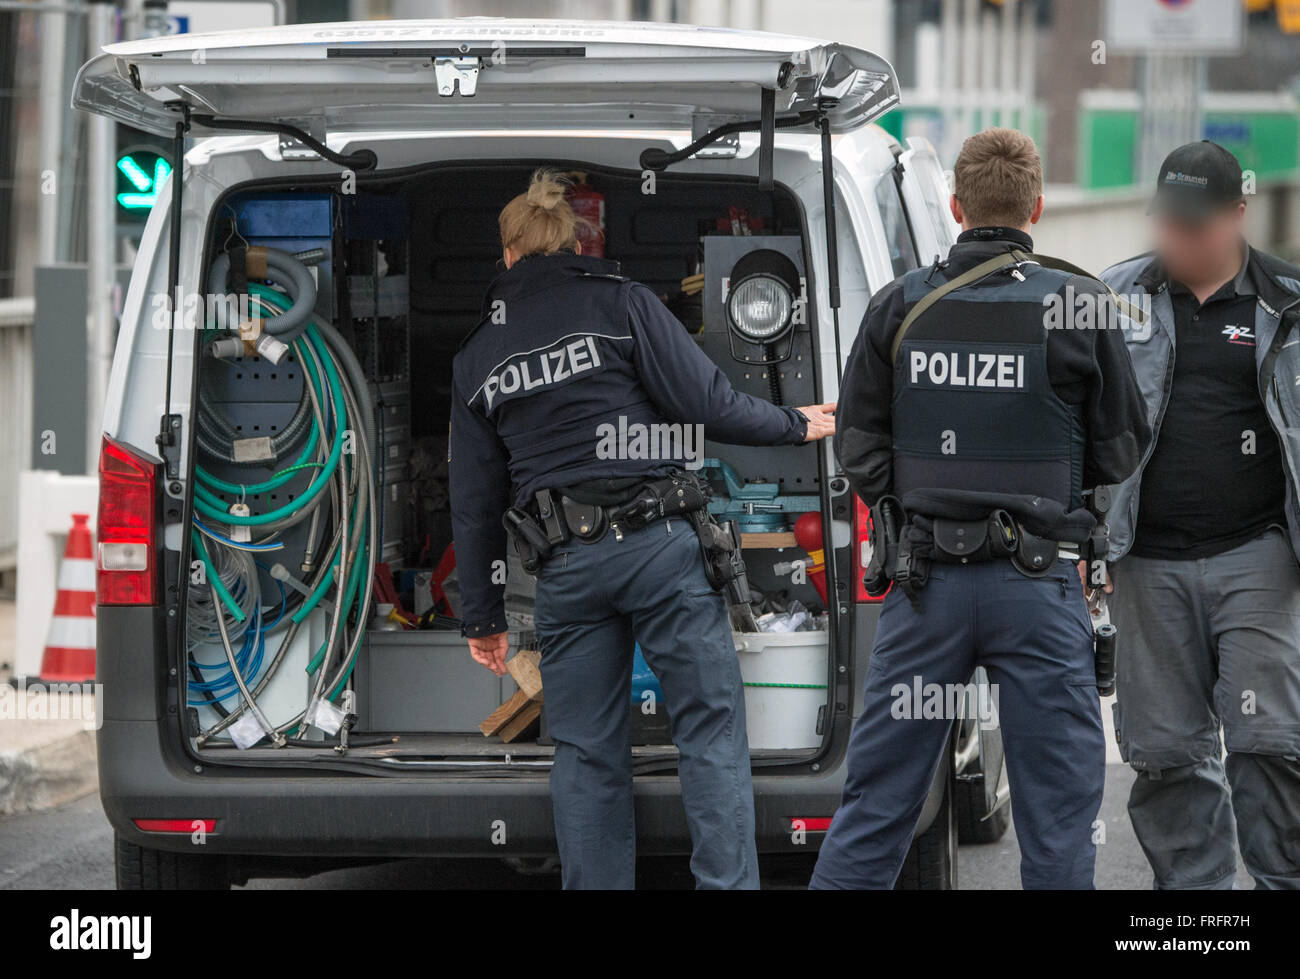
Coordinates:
[1086,405]
[569,352]
[1277,361]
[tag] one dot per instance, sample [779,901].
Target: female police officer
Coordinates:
[568,351]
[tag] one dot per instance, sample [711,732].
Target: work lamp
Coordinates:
[764,287]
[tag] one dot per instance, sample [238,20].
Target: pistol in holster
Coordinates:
[724,561]
[682,494]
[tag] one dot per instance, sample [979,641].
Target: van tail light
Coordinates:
[811,824]
[175,825]
[126,564]
[861,550]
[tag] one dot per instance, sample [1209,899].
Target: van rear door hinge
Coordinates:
[169,447]
[459,71]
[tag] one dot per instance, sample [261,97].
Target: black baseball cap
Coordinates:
[1195,181]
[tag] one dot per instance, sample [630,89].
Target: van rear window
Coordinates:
[902,250]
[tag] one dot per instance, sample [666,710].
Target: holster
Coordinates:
[912,569]
[680,494]
[1035,557]
[529,539]
[550,514]
[887,520]
[900,551]
[724,562]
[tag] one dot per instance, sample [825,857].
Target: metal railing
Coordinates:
[16,318]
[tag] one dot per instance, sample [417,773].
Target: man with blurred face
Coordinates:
[1204,540]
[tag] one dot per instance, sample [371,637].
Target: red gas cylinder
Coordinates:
[808,535]
[589,205]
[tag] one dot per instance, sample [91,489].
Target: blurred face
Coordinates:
[1196,251]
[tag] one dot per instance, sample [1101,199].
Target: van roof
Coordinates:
[482,73]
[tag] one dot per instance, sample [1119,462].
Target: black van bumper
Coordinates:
[277,812]
[145,773]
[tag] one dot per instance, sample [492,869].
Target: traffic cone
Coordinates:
[70,649]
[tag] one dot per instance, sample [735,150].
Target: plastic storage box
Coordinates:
[424,682]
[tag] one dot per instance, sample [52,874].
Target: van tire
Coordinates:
[970,805]
[931,863]
[142,869]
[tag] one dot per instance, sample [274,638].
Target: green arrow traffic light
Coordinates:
[145,173]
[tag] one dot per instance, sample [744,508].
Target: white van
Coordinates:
[265,488]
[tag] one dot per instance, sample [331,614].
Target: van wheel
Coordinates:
[970,805]
[931,863]
[141,869]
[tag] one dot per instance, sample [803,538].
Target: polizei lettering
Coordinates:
[549,367]
[966,369]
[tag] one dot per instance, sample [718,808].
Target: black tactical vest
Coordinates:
[973,406]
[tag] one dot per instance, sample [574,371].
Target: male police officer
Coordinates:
[1208,530]
[971,428]
[578,351]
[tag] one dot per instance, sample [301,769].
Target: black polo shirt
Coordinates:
[1215,479]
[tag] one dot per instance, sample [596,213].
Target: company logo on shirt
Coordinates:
[547,367]
[966,370]
[1241,335]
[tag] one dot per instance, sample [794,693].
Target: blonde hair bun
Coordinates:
[547,190]
[540,221]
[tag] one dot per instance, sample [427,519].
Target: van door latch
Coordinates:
[453,71]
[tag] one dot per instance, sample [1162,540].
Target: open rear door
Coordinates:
[480,74]
[925,191]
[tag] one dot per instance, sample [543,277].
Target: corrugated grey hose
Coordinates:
[215,434]
[293,276]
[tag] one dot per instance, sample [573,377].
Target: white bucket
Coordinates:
[785,687]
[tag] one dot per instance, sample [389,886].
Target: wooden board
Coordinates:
[521,721]
[776,539]
[525,670]
[500,717]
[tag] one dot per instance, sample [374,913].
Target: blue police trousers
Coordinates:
[594,601]
[1034,638]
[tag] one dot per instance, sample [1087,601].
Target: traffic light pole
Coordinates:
[101,243]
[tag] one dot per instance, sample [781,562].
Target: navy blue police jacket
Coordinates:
[568,355]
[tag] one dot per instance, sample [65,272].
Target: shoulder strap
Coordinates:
[1135,313]
[934,295]
[1013,257]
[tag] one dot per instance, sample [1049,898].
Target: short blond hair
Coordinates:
[998,178]
[540,221]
